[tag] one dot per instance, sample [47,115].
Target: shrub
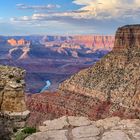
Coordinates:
[29,130]
[22,134]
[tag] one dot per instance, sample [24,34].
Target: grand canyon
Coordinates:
[70,70]
[98,102]
[53,58]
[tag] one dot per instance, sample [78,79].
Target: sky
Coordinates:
[66,17]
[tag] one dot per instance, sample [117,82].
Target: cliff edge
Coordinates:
[116,77]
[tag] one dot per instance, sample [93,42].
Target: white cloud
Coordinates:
[110,8]
[100,15]
[37,7]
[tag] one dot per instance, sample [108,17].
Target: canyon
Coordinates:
[109,88]
[101,102]
[53,58]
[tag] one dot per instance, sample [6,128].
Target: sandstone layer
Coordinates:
[81,128]
[12,98]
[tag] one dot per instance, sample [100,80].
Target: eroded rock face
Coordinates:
[110,88]
[116,77]
[67,129]
[12,85]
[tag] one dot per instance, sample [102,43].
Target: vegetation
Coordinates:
[22,134]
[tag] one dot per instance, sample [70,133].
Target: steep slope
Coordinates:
[116,77]
[109,88]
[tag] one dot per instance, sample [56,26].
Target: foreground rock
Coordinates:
[13,111]
[81,128]
[12,98]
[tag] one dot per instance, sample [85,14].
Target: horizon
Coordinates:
[57,35]
[66,17]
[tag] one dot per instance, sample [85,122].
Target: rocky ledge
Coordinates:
[81,128]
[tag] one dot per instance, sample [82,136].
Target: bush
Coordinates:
[21,135]
[29,130]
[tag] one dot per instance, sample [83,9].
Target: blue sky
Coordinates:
[64,17]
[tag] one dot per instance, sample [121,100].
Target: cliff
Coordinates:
[92,42]
[96,41]
[109,88]
[12,98]
[114,78]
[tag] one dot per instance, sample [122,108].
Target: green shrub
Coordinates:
[26,131]
[20,136]
[29,130]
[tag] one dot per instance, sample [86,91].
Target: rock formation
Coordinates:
[116,77]
[81,128]
[13,111]
[96,41]
[110,88]
[12,98]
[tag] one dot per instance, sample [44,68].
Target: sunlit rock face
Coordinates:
[109,88]
[116,77]
[14,42]
[12,89]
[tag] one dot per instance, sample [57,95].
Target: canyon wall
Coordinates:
[115,77]
[96,41]
[110,88]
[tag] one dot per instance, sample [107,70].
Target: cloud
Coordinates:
[37,7]
[90,9]
[92,16]
[110,8]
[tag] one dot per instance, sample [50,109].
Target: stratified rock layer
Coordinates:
[116,77]
[110,88]
[12,89]
[81,128]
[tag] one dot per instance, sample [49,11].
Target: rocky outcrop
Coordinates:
[12,98]
[116,77]
[13,111]
[81,128]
